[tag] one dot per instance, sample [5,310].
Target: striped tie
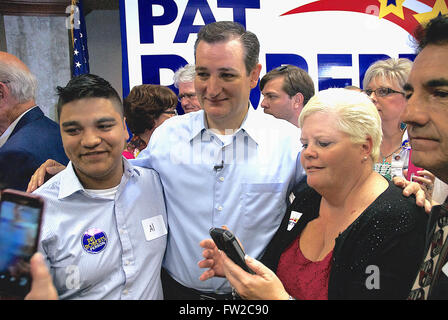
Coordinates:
[435,257]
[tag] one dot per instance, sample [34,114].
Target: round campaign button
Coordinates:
[94,240]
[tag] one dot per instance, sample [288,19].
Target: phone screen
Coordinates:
[19,229]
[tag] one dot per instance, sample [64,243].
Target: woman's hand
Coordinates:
[416,189]
[426,180]
[263,285]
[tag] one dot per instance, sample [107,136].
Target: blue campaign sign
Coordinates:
[334,40]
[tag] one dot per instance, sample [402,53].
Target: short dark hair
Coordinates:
[434,32]
[87,86]
[295,80]
[145,103]
[226,30]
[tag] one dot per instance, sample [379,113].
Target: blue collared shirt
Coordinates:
[243,184]
[125,258]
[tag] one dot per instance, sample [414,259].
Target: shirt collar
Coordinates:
[5,136]
[249,125]
[70,184]
[198,123]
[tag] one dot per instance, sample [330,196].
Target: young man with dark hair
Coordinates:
[104,229]
[286,90]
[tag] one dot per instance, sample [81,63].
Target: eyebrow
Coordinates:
[429,84]
[99,121]
[70,123]
[437,83]
[220,69]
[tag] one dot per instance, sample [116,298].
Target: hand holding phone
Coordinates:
[227,242]
[20,219]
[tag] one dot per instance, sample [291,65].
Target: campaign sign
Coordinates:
[334,40]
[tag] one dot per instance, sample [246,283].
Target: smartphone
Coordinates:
[20,221]
[226,241]
[412,169]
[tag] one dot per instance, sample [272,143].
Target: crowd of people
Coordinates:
[315,187]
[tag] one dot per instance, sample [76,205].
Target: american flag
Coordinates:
[79,40]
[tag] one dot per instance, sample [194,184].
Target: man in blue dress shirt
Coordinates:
[104,230]
[227,164]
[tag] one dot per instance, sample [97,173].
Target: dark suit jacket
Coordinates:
[35,139]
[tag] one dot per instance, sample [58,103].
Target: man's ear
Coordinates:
[4,90]
[298,100]
[255,75]
[125,127]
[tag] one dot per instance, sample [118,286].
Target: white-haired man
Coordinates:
[27,136]
[184,81]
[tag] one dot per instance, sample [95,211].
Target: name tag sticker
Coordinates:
[445,269]
[154,227]
[293,218]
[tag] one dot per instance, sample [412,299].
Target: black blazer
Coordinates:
[34,140]
[389,234]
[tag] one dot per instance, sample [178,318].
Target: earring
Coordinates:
[364,159]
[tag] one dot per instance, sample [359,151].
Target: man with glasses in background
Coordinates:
[184,81]
[286,90]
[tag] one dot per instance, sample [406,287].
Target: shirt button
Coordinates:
[220,208]
[125,291]
[221,178]
[126,263]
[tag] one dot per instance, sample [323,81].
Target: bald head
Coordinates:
[12,60]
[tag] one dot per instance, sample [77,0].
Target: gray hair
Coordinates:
[390,69]
[355,114]
[21,82]
[184,74]
[226,30]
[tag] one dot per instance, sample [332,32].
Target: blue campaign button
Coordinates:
[94,240]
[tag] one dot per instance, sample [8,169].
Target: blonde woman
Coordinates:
[347,226]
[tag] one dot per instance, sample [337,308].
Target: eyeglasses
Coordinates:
[282,68]
[185,95]
[173,112]
[381,92]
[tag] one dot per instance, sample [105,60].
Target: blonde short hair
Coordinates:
[354,112]
[395,70]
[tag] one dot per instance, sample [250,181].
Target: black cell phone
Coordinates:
[226,241]
[20,221]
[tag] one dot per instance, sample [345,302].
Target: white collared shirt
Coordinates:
[102,248]
[243,184]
